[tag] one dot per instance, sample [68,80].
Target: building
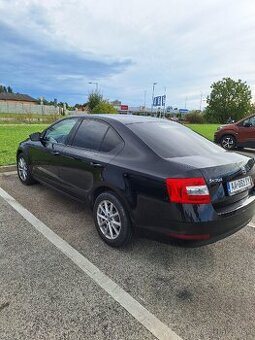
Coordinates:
[121,108]
[24,104]
[16,98]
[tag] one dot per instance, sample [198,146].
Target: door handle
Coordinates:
[96,165]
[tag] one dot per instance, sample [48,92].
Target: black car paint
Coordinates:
[137,175]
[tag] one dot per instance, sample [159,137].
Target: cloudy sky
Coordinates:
[53,48]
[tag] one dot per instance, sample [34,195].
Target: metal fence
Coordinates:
[21,108]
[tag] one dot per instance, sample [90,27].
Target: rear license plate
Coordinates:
[239,185]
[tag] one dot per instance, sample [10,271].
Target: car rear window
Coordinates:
[169,139]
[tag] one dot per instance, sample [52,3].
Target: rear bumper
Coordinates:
[212,229]
[203,234]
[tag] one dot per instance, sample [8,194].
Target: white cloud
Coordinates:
[184,45]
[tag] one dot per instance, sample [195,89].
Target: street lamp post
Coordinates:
[95,83]
[144,97]
[153,89]
[164,107]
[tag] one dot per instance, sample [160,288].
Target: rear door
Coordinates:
[86,157]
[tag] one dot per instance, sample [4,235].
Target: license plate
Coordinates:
[239,185]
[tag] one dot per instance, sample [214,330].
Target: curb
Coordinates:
[7,168]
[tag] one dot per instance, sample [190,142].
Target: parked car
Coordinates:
[237,135]
[143,172]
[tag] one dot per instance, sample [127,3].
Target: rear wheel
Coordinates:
[23,170]
[228,142]
[111,220]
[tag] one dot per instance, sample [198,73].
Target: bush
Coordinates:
[195,117]
[104,107]
[94,99]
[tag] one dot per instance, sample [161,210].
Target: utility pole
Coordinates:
[144,99]
[164,107]
[153,89]
[201,99]
[185,106]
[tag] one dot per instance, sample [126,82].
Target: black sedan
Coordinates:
[141,173]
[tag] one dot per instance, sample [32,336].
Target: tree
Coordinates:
[4,89]
[104,107]
[94,99]
[228,98]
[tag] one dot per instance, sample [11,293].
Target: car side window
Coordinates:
[252,121]
[111,141]
[90,134]
[59,132]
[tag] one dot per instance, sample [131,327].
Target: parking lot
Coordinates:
[200,293]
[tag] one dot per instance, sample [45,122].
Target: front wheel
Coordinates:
[23,170]
[228,142]
[111,220]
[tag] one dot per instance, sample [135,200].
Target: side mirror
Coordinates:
[35,137]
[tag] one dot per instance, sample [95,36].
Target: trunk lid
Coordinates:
[218,170]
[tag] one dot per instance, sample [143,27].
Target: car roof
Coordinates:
[123,118]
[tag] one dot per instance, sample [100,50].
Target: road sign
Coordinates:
[157,101]
[164,100]
[124,107]
[183,110]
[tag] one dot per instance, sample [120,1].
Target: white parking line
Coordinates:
[251,224]
[140,313]
[8,173]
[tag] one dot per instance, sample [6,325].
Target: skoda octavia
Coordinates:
[143,173]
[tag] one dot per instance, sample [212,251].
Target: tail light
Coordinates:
[188,190]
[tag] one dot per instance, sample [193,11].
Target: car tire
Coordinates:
[23,170]
[112,220]
[228,142]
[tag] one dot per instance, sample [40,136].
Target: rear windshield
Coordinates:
[169,139]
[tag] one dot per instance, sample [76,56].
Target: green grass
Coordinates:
[11,135]
[207,130]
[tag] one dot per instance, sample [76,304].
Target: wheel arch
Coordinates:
[231,133]
[21,150]
[108,188]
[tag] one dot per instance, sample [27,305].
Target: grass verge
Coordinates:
[11,135]
[206,130]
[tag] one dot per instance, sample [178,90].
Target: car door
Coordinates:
[92,148]
[47,155]
[246,132]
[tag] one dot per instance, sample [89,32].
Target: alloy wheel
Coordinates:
[108,219]
[22,169]
[228,143]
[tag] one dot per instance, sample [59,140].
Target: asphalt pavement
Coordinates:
[44,296]
[201,293]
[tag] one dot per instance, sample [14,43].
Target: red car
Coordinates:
[237,135]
